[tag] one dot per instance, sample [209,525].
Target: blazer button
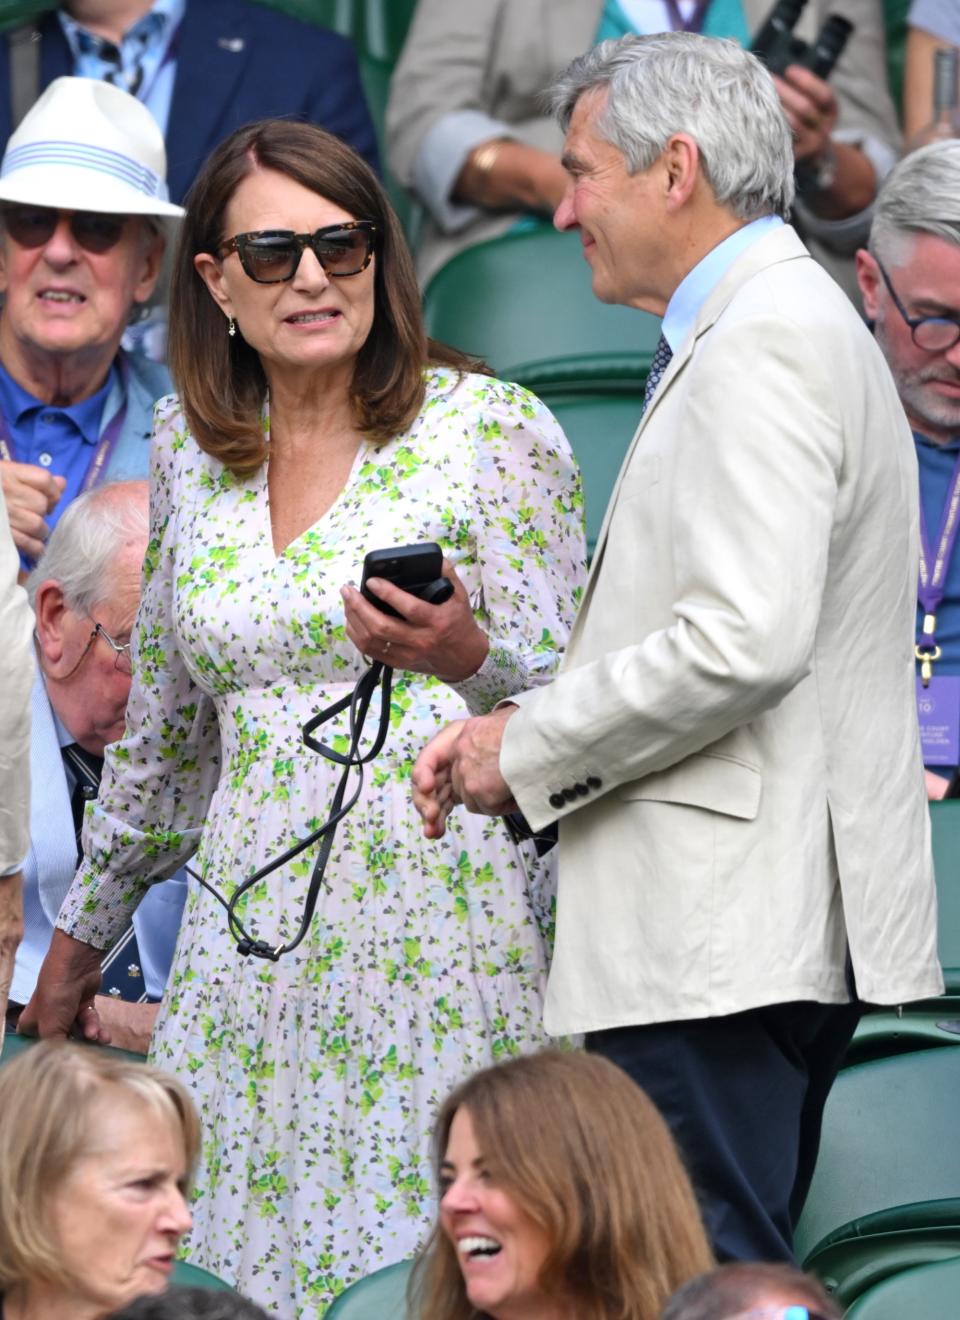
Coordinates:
[581,790]
[557,800]
[594,782]
[569,794]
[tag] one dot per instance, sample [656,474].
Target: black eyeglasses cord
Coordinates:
[358,703]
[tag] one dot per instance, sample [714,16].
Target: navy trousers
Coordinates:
[743,1096]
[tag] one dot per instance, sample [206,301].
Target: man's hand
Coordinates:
[811,109]
[63,1002]
[462,764]
[937,785]
[11,933]
[31,493]
[130,1025]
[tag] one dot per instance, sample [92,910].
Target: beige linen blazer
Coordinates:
[733,733]
[16,679]
[497,56]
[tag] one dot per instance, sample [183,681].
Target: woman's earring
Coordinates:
[231,326]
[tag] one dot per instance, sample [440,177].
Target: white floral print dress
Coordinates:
[317,1077]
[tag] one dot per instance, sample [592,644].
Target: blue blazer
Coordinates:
[236,62]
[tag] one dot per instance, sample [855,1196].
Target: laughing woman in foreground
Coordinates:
[316,423]
[562,1198]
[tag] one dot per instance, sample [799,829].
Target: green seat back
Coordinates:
[599,428]
[377,27]
[380,1296]
[889,1138]
[895,23]
[15,12]
[929,1293]
[341,15]
[945,828]
[524,303]
[186,1275]
[14,1045]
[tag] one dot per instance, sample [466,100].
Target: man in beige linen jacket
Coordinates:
[731,746]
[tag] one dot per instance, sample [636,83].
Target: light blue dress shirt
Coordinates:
[697,285]
[147,48]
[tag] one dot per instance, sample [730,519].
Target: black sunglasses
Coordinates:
[32,226]
[270,256]
[934,334]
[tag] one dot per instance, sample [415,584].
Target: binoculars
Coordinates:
[776,45]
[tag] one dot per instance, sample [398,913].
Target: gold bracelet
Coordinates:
[484,157]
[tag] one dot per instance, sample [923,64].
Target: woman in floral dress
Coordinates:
[316,423]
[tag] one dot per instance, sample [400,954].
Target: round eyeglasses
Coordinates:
[271,256]
[934,334]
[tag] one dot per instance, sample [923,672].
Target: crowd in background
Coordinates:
[217,394]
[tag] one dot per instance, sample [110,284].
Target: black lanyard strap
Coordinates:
[358,703]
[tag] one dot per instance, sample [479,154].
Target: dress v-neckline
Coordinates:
[359,458]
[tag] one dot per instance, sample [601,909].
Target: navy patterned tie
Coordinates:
[661,360]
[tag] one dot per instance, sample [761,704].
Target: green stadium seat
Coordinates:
[186,1275]
[934,1022]
[15,12]
[888,1144]
[344,16]
[380,1296]
[859,1255]
[929,1293]
[599,428]
[13,1044]
[524,304]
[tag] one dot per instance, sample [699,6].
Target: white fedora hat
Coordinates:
[85,145]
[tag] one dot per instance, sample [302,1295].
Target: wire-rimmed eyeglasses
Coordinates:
[934,334]
[122,660]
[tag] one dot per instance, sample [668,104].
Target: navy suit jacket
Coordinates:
[236,62]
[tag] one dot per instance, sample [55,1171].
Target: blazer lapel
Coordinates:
[212,53]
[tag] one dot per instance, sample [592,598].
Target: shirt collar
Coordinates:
[950,445]
[697,285]
[17,405]
[161,20]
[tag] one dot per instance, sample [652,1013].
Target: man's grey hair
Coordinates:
[89,535]
[920,195]
[679,82]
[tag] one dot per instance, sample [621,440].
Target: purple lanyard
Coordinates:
[933,574]
[679,24]
[108,438]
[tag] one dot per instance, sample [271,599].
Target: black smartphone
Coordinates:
[414,568]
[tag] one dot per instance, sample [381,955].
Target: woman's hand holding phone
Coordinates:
[444,640]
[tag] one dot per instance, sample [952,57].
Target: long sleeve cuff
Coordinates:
[441,157]
[99,907]
[502,674]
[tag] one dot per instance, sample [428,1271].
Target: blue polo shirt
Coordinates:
[936,468]
[61,440]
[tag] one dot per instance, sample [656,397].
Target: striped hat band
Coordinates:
[79,155]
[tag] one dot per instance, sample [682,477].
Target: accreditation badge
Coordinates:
[938,710]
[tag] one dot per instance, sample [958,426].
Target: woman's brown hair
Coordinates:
[220,379]
[49,1097]
[584,1152]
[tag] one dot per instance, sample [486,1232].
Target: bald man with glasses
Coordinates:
[910,280]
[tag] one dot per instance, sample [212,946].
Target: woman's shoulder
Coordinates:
[475,392]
